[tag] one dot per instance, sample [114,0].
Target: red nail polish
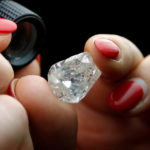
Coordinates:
[7,26]
[11,88]
[107,48]
[38,59]
[126,96]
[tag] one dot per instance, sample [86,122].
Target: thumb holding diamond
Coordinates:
[51,121]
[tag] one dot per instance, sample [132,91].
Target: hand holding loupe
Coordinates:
[27,41]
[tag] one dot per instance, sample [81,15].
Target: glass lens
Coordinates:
[23,41]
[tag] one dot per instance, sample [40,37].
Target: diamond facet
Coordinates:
[71,79]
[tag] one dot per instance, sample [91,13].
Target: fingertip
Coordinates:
[35,90]
[104,51]
[7,26]
[31,84]
[35,94]
[113,54]
[30,90]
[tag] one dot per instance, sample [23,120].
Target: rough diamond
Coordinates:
[71,79]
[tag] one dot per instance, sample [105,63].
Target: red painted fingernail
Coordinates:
[38,59]
[127,95]
[107,48]
[7,26]
[11,88]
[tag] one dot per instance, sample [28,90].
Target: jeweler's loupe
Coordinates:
[27,41]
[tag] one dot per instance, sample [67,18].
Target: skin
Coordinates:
[36,117]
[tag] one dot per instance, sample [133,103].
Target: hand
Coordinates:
[97,122]
[14,129]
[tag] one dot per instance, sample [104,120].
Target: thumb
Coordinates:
[53,123]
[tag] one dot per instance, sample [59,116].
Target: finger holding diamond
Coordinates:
[116,56]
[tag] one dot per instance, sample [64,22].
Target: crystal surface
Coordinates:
[71,79]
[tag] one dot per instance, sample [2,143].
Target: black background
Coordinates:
[70,24]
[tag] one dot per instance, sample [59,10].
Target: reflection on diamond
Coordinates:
[71,79]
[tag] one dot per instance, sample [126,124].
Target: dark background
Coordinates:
[70,24]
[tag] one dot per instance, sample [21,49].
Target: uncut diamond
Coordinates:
[71,79]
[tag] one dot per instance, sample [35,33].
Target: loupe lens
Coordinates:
[22,43]
[28,40]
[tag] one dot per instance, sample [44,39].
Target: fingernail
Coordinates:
[127,95]
[12,86]
[107,48]
[7,26]
[38,59]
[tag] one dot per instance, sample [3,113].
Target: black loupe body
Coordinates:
[27,41]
